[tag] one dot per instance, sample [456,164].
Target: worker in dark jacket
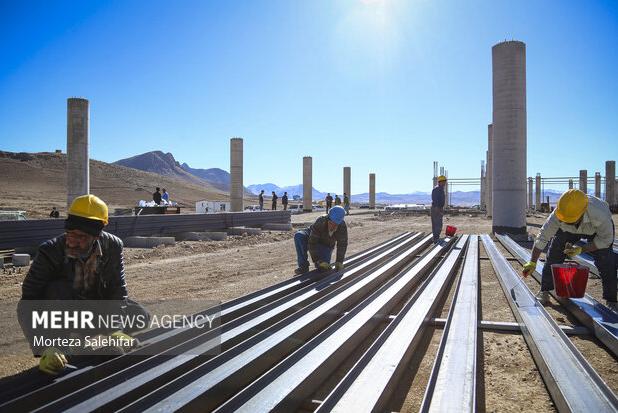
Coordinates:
[320,239]
[261,200]
[284,201]
[329,202]
[274,201]
[156,196]
[84,263]
[337,200]
[437,208]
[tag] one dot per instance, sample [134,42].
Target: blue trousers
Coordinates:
[301,241]
[436,222]
[604,260]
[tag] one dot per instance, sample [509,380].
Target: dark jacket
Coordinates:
[318,234]
[329,200]
[437,197]
[52,264]
[284,199]
[156,196]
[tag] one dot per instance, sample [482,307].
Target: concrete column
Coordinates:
[530,191]
[583,180]
[482,195]
[490,170]
[78,136]
[307,184]
[347,184]
[570,184]
[509,137]
[236,172]
[372,191]
[597,184]
[610,182]
[537,195]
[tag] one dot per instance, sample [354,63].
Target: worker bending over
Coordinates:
[84,263]
[437,208]
[577,216]
[320,239]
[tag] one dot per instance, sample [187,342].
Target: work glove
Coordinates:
[338,266]
[52,361]
[323,266]
[126,342]
[571,251]
[528,268]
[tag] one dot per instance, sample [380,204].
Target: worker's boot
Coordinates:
[612,305]
[301,270]
[543,297]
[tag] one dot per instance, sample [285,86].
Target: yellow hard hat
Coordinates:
[571,206]
[90,207]
[441,178]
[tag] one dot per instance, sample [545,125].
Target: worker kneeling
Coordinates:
[577,216]
[83,267]
[320,239]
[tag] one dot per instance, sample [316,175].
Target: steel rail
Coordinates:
[452,385]
[292,381]
[572,383]
[369,384]
[598,318]
[210,384]
[233,314]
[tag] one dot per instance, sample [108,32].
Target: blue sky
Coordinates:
[381,86]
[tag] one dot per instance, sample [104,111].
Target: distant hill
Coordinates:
[218,177]
[160,163]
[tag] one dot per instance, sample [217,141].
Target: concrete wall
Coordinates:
[509,137]
[583,180]
[236,172]
[490,170]
[610,182]
[78,136]
[347,182]
[372,191]
[597,184]
[307,183]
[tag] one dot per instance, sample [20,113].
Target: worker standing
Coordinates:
[284,201]
[165,196]
[437,208]
[261,200]
[274,201]
[337,200]
[156,196]
[84,263]
[577,215]
[346,203]
[319,241]
[329,202]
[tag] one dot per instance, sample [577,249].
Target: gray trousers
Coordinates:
[436,222]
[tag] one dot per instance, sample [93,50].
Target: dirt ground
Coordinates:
[507,376]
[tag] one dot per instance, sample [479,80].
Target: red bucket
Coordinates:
[450,231]
[570,280]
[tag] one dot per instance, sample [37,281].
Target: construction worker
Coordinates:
[346,203]
[274,201]
[337,200]
[284,201]
[577,216]
[261,200]
[320,239]
[165,196]
[329,202]
[437,208]
[54,213]
[156,196]
[84,263]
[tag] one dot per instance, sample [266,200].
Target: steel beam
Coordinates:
[572,383]
[599,319]
[369,384]
[452,385]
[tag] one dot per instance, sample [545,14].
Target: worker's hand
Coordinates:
[52,361]
[323,266]
[571,251]
[528,268]
[125,341]
[338,266]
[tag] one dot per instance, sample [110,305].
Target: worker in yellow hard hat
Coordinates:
[437,208]
[577,216]
[84,263]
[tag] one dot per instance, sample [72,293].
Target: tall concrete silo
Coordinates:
[537,193]
[597,184]
[583,180]
[490,169]
[347,182]
[530,192]
[307,184]
[78,136]
[509,137]
[372,191]
[236,172]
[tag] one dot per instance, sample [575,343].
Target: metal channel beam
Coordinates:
[572,383]
[126,377]
[286,386]
[452,385]
[369,384]
[599,319]
[210,384]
